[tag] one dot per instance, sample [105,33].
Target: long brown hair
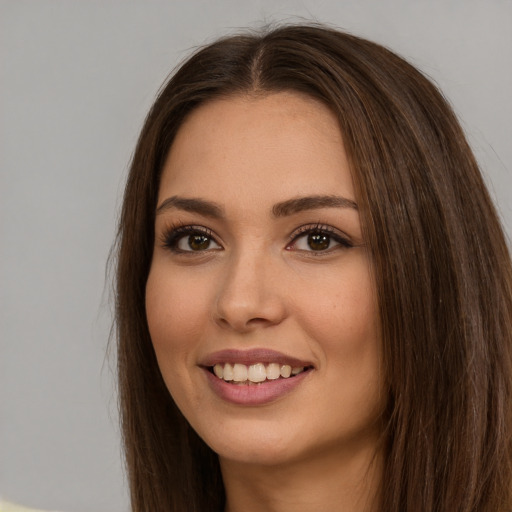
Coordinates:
[439,258]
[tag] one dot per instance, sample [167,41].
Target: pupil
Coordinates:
[198,242]
[318,241]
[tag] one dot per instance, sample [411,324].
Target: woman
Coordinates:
[314,294]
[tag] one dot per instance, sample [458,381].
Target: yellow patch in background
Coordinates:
[6,506]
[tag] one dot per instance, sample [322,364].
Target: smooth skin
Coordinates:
[243,274]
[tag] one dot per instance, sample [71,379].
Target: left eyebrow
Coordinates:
[194,205]
[300,204]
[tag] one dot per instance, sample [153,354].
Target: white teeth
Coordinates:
[239,372]
[228,372]
[285,371]
[255,372]
[273,371]
[218,370]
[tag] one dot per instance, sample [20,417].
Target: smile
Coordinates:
[255,373]
[254,377]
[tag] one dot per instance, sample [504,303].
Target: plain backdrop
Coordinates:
[76,80]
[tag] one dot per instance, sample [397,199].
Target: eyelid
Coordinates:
[341,238]
[171,235]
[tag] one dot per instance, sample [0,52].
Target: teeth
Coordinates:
[239,373]
[273,371]
[255,372]
[227,372]
[218,370]
[285,371]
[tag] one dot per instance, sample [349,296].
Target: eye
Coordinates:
[197,242]
[318,239]
[190,239]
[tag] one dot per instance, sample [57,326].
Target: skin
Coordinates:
[257,283]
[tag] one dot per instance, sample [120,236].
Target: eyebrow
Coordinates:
[194,205]
[311,203]
[283,209]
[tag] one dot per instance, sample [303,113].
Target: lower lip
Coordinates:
[255,394]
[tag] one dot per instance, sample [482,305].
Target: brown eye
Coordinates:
[190,239]
[318,241]
[198,242]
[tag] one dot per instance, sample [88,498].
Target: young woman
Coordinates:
[314,294]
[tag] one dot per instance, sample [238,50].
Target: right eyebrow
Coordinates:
[300,204]
[194,205]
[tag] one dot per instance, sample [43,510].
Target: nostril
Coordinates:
[258,321]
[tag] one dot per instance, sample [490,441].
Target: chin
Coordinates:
[267,443]
[247,443]
[254,454]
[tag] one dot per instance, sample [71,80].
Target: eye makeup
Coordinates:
[182,239]
[318,238]
[315,238]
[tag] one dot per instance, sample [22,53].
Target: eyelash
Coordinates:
[322,230]
[174,233]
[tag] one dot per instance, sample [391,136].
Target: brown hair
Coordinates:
[440,262]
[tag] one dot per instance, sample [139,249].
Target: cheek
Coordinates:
[340,312]
[176,312]
[341,320]
[175,315]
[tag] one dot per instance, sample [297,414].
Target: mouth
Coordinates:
[255,374]
[254,377]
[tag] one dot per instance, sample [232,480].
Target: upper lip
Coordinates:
[252,356]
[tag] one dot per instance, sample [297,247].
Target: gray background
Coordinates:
[76,80]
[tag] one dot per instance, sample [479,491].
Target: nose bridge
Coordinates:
[248,293]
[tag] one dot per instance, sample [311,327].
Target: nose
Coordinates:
[250,294]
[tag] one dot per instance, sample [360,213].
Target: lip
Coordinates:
[256,394]
[252,356]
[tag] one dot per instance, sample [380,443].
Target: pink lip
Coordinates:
[252,356]
[256,394]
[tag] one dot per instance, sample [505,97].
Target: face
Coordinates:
[260,301]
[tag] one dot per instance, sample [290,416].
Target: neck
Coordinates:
[348,482]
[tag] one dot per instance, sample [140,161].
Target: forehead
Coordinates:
[273,147]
